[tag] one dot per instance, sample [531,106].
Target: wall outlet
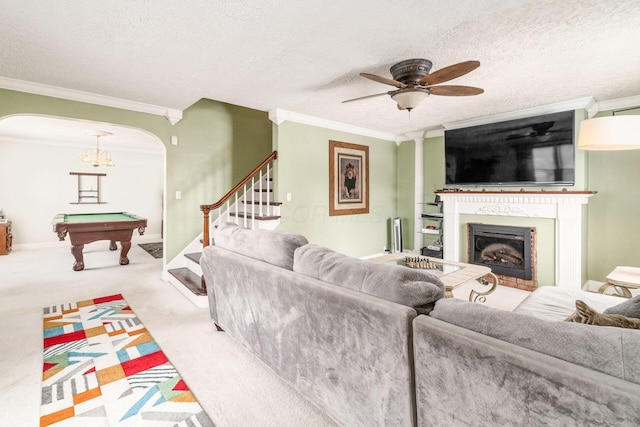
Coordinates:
[178,195]
[288,197]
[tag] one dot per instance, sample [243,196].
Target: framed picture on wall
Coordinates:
[348,178]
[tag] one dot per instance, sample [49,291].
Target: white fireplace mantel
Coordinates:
[565,207]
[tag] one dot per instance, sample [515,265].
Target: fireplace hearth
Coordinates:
[508,251]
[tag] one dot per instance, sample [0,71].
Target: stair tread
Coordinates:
[258,217]
[195,257]
[189,279]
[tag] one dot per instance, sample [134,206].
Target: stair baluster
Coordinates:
[269,207]
[240,194]
[190,277]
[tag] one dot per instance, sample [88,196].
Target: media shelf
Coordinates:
[432,229]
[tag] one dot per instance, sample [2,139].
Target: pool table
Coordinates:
[87,228]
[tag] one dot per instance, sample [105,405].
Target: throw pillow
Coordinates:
[587,315]
[629,308]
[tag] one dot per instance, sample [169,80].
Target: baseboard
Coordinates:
[592,285]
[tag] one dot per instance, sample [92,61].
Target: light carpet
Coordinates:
[102,368]
[233,387]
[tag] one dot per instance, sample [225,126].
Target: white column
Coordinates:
[568,246]
[418,193]
[450,228]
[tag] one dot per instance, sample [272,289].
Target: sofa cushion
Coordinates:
[553,303]
[271,246]
[410,287]
[629,308]
[613,351]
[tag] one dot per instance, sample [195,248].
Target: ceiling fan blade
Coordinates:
[365,97]
[383,80]
[452,90]
[449,73]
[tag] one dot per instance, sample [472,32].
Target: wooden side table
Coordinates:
[621,279]
[5,238]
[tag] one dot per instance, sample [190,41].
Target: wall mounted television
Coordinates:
[530,151]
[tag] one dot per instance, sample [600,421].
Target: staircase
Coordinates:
[249,204]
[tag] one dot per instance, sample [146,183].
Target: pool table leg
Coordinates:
[112,245]
[123,254]
[76,250]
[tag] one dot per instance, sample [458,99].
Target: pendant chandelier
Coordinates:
[97,157]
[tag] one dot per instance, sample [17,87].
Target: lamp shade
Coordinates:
[610,133]
[409,99]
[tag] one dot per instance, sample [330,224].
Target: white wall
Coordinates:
[35,185]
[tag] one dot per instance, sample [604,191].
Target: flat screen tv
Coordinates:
[531,151]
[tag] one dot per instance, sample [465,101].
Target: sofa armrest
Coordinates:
[467,378]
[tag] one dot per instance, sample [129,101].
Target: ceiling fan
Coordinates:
[414,83]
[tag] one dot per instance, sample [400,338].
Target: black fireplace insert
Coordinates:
[505,249]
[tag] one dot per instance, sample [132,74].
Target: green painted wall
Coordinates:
[433,166]
[614,212]
[303,171]
[218,144]
[406,193]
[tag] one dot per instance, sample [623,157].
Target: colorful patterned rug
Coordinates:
[103,368]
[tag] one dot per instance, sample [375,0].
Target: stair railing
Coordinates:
[263,170]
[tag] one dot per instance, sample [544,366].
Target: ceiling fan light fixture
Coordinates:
[409,99]
[413,82]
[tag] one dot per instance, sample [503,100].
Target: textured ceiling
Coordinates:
[305,56]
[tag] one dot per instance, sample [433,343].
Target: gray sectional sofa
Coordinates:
[379,345]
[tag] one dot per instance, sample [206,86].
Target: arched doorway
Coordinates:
[38,155]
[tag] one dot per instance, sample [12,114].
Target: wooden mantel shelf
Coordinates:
[520,192]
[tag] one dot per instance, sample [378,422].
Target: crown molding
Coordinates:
[434,133]
[173,115]
[588,103]
[279,116]
[620,103]
[423,135]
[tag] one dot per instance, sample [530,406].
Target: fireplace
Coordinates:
[509,252]
[566,208]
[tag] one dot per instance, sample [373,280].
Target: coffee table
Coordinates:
[452,273]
